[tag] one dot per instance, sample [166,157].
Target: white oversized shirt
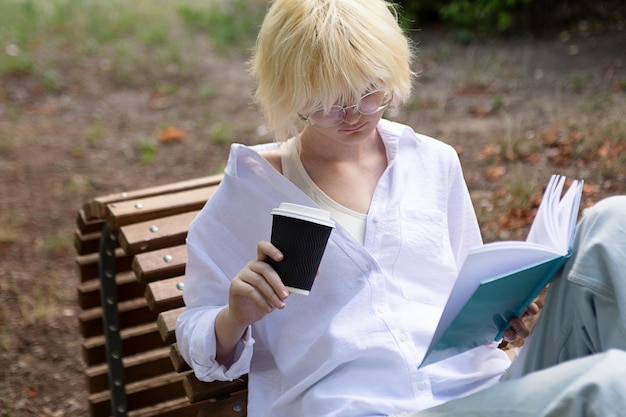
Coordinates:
[352,347]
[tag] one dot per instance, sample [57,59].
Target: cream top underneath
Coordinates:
[354,222]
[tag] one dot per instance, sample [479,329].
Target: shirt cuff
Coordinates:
[214,371]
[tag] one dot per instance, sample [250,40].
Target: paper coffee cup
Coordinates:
[301,234]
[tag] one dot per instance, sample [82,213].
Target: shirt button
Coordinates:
[402,337]
[421,386]
[369,266]
[375,219]
[381,309]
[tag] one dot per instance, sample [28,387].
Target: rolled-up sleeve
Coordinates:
[195,332]
[205,294]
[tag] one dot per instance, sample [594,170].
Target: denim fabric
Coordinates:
[585,308]
[589,386]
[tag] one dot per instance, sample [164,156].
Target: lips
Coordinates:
[354,129]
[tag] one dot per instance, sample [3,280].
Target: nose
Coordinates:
[352,116]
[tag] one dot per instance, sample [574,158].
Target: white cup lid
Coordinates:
[310,214]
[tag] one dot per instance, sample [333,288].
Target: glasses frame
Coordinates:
[345,109]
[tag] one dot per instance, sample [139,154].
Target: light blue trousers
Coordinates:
[574,363]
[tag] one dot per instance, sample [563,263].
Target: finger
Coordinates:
[269,283]
[518,326]
[532,310]
[242,289]
[509,336]
[266,250]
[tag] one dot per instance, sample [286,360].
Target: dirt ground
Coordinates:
[59,150]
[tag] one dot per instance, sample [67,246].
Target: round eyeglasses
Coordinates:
[370,103]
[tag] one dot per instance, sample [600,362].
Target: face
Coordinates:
[350,123]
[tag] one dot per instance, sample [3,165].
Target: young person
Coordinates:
[404,219]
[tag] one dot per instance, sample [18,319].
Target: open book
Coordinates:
[497,281]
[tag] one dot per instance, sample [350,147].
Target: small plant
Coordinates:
[206,91]
[52,81]
[7,145]
[222,133]
[17,65]
[520,188]
[57,245]
[8,234]
[95,134]
[577,82]
[497,101]
[482,72]
[148,149]
[166,89]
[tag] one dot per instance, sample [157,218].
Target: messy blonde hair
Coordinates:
[313,54]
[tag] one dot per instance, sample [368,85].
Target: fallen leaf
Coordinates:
[172,134]
[488,151]
[495,172]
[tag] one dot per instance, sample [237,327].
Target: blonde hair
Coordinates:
[312,54]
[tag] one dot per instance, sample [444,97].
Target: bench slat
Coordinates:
[155,234]
[149,208]
[197,390]
[165,294]
[235,406]
[87,265]
[134,340]
[86,243]
[96,208]
[160,264]
[127,288]
[88,224]
[166,323]
[179,407]
[131,313]
[141,394]
[143,365]
[177,359]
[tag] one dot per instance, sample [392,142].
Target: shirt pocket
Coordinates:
[425,268]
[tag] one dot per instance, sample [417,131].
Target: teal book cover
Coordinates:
[486,315]
[497,281]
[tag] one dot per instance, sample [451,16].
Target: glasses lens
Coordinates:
[374,102]
[333,118]
[369,104]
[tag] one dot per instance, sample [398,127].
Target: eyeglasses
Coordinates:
[370,103]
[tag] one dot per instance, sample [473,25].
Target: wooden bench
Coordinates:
[130,260]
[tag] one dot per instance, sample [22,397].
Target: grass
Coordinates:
[148,149]
[40,38]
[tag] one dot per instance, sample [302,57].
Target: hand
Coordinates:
[257,290]
[518,327]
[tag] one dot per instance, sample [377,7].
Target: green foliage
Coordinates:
[231,24]
[147,149]
[467,19]
[490,16]
[464,16]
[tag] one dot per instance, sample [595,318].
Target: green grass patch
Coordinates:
[148,149]
[222,133]
[231,25]
[138,42]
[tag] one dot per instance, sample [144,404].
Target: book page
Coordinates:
[556,217]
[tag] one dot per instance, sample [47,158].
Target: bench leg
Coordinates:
[111,321]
